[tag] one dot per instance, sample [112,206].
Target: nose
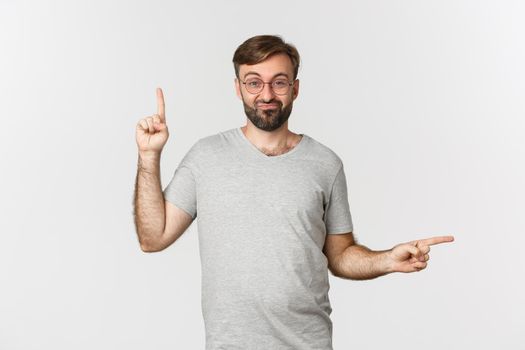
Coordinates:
[267,93]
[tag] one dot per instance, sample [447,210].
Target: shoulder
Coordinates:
[324,154]
[213,142]
[210,145]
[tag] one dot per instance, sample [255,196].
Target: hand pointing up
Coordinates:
[152,132]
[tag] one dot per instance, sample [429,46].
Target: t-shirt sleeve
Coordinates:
[181,190]
[337,215]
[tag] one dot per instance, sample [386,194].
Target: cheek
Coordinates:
[286,101]
[248,100]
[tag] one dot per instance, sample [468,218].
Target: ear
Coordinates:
[296,89]
[238,88]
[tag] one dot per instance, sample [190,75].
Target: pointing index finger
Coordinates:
[160,104]
[435,240]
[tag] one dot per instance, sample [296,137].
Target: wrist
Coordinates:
[387,261]
[149,155]
[148,161]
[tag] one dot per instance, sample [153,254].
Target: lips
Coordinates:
[267,106]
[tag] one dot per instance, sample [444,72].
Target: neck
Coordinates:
[274,142]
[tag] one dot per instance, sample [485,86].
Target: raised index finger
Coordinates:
[435,240]
[160,104]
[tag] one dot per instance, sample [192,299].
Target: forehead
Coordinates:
[267,69]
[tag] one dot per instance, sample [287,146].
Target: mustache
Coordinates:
[275,102]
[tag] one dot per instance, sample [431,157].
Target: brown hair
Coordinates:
[258,48]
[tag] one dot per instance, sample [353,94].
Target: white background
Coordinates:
[422,100]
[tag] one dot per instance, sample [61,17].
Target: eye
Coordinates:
[280,83]
[253,83]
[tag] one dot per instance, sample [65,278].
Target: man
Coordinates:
[273,214]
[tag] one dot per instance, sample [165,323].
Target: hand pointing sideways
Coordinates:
[152,132]
[413,256]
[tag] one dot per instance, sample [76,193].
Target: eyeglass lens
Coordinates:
[279,86]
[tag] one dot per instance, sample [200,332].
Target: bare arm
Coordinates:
[349,260]
[360,263]
[158,223]
[149,210]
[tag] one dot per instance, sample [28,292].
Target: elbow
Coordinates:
[333,265]
[337,270]
[148,246]
[332,270]
[147,249]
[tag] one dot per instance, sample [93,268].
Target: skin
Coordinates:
[159,223]
[350,260]
[275,138]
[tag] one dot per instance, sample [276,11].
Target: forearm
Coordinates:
[357,262]
[149,210]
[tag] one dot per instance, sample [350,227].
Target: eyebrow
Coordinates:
[275,75]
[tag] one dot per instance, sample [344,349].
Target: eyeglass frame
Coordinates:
[271,86]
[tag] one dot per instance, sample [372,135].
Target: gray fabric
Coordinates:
[262,223]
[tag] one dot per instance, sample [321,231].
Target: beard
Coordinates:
[268,119]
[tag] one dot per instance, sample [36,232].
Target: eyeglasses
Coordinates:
[256,85]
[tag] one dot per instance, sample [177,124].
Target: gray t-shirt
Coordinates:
[262,222]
